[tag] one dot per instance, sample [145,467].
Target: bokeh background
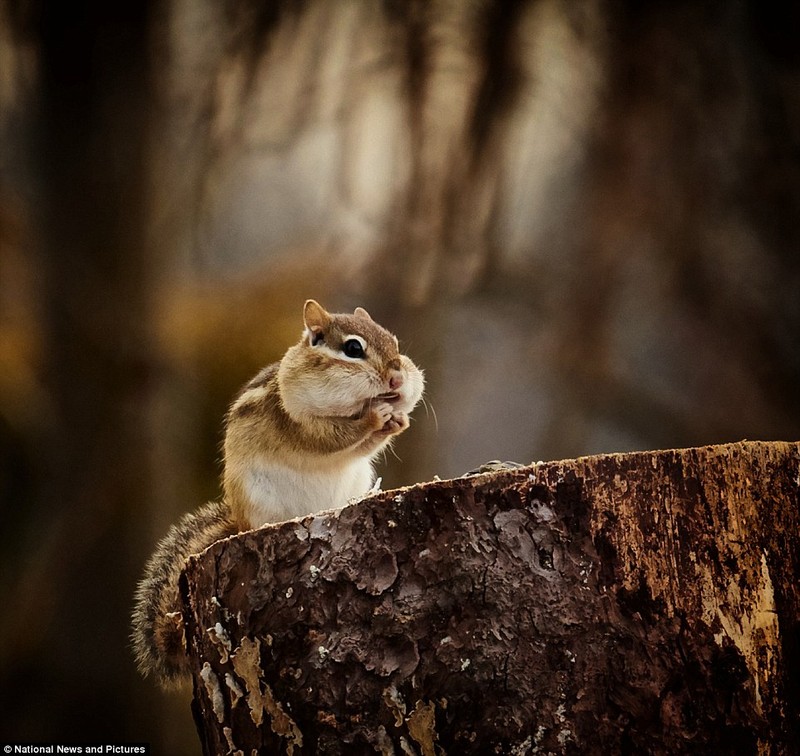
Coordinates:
[581,217]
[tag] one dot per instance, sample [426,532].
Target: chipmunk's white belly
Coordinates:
[278,493]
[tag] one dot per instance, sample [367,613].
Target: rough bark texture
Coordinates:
[631,603]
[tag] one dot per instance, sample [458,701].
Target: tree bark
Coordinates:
[628,603]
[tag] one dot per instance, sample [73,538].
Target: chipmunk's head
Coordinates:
[342,363]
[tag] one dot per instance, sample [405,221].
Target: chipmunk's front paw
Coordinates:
[380,415]
[397,423]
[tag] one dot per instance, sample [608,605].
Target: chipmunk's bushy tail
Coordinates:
[157,624]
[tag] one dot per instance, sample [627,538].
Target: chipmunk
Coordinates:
[299,438]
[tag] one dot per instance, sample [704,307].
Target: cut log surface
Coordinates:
[627,603]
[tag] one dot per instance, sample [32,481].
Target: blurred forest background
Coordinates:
[580,217]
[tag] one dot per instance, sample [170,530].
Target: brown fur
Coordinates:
[158,629]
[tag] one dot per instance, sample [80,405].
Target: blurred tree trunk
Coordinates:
[91,178]
[634,603]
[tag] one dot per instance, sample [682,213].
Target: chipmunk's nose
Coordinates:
[395,380]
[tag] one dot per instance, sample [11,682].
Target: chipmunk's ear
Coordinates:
[360,312]
[314,314]
[316,319]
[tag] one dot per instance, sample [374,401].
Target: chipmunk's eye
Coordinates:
[353,349]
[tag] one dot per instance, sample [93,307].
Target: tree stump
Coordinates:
[628,603]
